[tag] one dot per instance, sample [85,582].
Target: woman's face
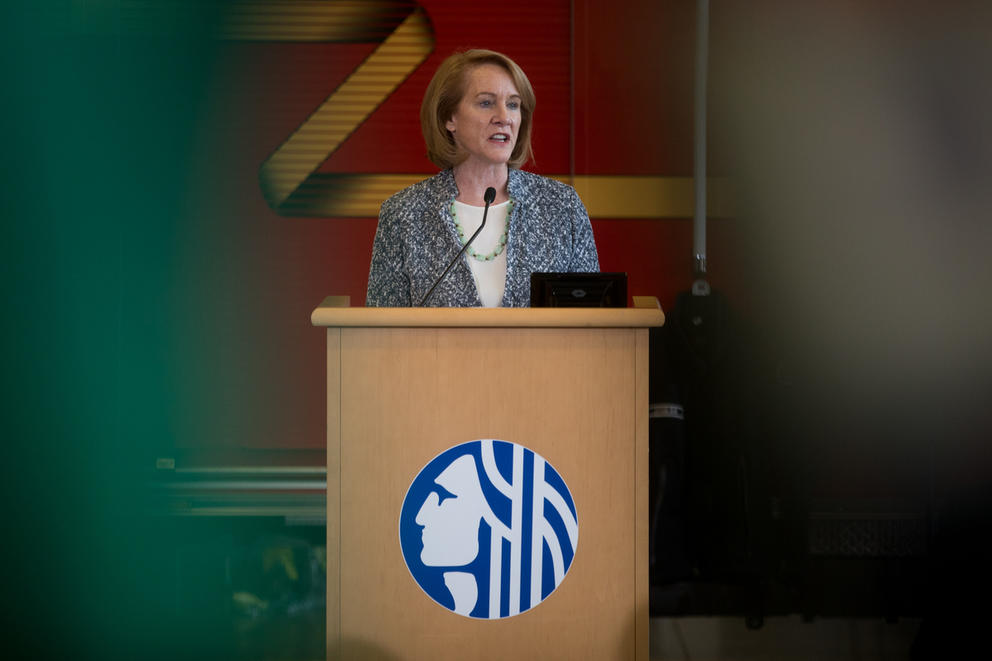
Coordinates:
[487,119]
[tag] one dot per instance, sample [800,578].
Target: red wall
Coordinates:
[614,94]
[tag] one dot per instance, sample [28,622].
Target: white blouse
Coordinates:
[489,275]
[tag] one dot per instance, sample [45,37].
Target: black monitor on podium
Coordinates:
[574,290]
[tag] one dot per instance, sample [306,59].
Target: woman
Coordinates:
[476,119]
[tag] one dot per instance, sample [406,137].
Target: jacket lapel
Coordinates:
[461,274]
[517,292]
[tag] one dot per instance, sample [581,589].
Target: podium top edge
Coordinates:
[348,317]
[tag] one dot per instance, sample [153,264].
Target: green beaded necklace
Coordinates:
[500,245]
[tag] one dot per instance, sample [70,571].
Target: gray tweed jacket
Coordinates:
[549,230]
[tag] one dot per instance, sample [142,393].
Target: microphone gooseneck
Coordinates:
[488,198]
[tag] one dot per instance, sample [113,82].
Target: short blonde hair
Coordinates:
[445,92]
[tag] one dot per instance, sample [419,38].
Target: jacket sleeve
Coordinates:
[584,255]
[389,285]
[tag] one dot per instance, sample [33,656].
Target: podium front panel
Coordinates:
[398,397]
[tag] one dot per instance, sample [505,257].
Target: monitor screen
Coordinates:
[578,290]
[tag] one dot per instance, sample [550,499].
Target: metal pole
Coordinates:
[699,161]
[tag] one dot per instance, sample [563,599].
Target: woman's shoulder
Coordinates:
[538,181]
[424,192]
[539,188]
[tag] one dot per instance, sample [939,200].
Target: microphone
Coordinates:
[488,198]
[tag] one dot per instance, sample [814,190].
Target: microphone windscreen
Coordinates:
[489,195]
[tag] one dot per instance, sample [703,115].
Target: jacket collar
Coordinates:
[515,185]
[448,190]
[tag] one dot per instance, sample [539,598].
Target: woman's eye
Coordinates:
[485,104]
[513,105]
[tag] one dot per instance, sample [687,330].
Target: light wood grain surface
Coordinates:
[399,395]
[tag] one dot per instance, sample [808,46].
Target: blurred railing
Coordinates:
[297,493]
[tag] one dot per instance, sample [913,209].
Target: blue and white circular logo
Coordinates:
[488,529]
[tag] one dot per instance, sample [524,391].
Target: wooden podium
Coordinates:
[405,384]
